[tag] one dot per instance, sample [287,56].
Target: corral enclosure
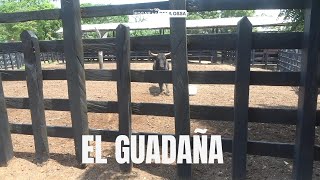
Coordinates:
[268,104]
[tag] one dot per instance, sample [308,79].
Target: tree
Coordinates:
[203,15]
[236,13]
[45,30]
[296,16]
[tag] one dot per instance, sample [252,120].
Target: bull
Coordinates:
[161,63]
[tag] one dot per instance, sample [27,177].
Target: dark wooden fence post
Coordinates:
[52,57]
[45,57]
[35,90]
[308,93]
[223,56]
[179,56]
[63,57]
[6,147]
[265,58]
[11,62]
[241,99]
[5,61]
[18,58]
[123,85]
[252,57]
[73,50]
[214,56]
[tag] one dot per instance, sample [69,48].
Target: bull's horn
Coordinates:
[167,54]
[152,54]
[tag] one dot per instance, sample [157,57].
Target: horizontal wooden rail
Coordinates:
[291,40]
[199,112]
[283,150]
[127,9]
[48,14]
[150,76]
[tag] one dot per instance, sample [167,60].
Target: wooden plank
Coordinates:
[124,86]
[241,99]
[308,93]
[73,51]
[221,41]
[200,112]
[260,41]
[48,14]
[291,40]
[127,9]
[106,44]
[261,148]
[150,76]
[205,5]
[180,79]
[6,147]
[63,132]
[35,92]
[277,40]
[274,79]
[197,112]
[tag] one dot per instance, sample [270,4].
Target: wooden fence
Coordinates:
[143,56]
[12,60]
[290,60]
[15,60]
[265,57]
[306,117]
[52,56]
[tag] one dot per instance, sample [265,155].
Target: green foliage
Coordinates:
[297,19]
[145,32]
[203,15]
[236,13]
[45,30]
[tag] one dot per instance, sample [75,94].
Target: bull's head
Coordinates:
[161,58]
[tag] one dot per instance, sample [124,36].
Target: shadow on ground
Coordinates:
[112,171]
[63,159]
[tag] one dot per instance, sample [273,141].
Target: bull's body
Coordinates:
[161,64]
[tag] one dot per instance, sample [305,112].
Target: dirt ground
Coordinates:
[62,163]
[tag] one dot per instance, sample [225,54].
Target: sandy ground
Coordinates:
[62,163]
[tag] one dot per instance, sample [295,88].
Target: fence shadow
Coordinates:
[63,159]
[111,170]
[277,106]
